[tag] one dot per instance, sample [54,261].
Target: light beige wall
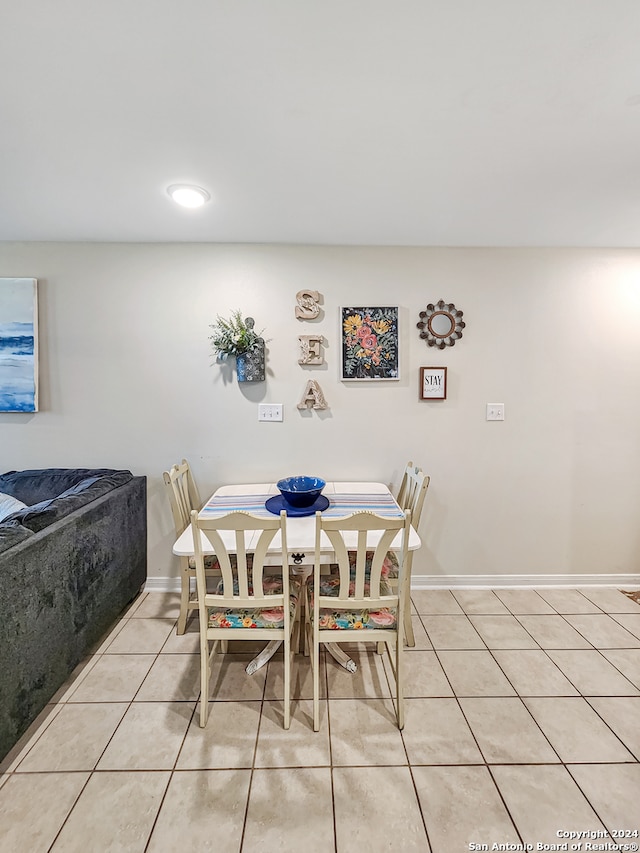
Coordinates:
[128,380]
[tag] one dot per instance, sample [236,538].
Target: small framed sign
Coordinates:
[433,383]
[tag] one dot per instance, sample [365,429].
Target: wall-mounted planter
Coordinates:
[250,366]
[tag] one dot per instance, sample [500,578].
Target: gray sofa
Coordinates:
[70,561]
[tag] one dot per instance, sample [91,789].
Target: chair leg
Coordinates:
[408,625]
[315,666]
[399,682]
[287,685]
[205,668]
[185,591]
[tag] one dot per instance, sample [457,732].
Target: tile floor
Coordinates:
[522,722]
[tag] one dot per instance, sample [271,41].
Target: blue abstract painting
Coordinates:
[18,345]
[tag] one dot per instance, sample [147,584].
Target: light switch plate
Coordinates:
[495,411]
[269,411]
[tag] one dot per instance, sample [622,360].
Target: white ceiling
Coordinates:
[395,122]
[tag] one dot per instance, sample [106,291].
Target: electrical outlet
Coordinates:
[269,411]
[495,411]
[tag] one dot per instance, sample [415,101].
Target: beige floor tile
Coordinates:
[614,792]
[568,601]
[533,673]
[73,682]
[370,681]
[231,682]
[377,810]
[290,810]
[301,678]
[76,738]
[183,644]
[419,634]
[521,601]
[461,806]
[604,632]
[627,661]
[434,601]
[364,732]
[141,636]
[542,800]
[300,746]
[592,674]
[629,621]
[202,810]
[436,732]
[149,737]
[621,713]
[554,632]
[610,600]
[158,605]
[130,609]
[115,812]
[506,733]
[475,674]
[172,678]
[480,601]
[227,741]
[113,678]
[452,632]
[109,637]
[575,731]
[423,675]
[33,808]
[503,632]
[24,745]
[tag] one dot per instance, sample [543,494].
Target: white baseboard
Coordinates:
[162,584]
[522,581]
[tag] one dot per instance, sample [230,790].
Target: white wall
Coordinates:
[128,380]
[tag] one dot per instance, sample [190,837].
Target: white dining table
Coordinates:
[344,499]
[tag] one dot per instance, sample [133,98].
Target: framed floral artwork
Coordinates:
[369,343]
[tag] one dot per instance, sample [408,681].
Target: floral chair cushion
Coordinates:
[390,565]
[351,620]
[210,562]
[258,617]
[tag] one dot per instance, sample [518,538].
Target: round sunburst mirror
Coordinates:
[441,324]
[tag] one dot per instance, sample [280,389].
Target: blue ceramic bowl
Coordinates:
[301,491]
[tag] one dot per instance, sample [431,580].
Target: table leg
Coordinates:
[341,657]
[265,655]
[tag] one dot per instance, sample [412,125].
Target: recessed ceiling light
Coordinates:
[188,196]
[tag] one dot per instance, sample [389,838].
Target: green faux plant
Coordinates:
[234,336]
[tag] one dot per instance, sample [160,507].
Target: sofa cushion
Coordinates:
[36,485]
[9,505]
[46,512]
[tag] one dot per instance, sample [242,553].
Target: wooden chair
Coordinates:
[250,603]
[356,598]
[411,495]
[183,498]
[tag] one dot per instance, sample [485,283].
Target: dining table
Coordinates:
[344,498]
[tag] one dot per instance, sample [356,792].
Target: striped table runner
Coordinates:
[340,504]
